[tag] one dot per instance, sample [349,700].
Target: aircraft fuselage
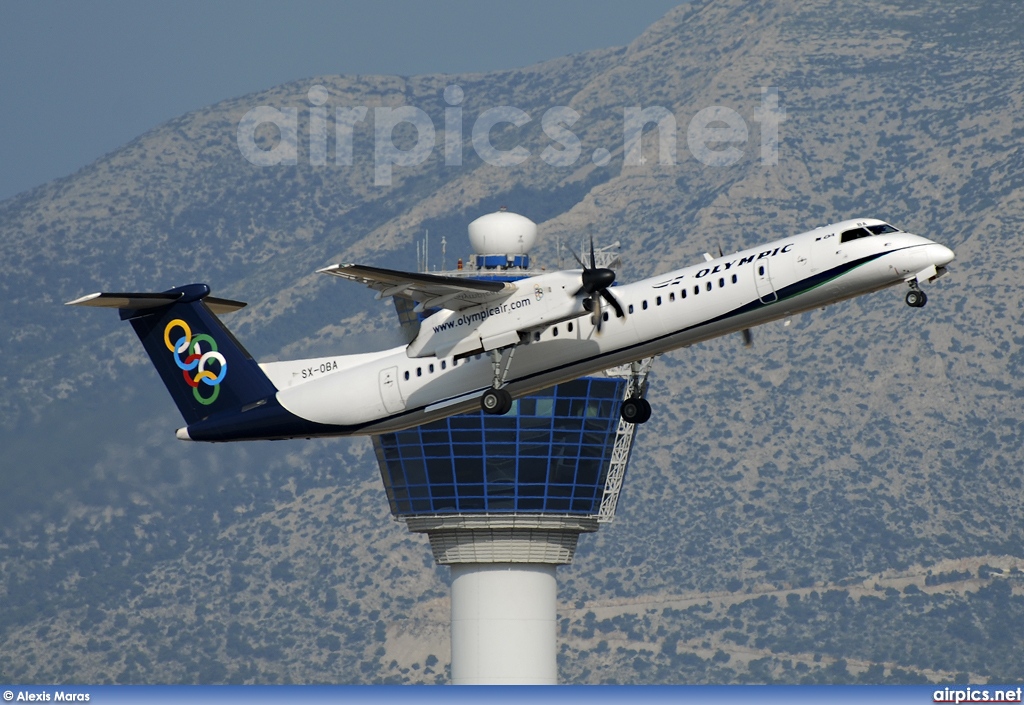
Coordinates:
[392,390]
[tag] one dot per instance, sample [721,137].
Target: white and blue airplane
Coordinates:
[483,343]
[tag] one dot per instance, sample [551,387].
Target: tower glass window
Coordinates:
[550,454]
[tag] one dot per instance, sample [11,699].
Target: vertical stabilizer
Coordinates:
[205,369]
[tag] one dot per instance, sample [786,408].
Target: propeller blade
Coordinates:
[584,289]
[748,337]
[577,258]
[595,282]
[614,302]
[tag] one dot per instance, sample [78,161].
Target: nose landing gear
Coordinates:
[915,297]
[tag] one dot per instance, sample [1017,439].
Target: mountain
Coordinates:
[839,503]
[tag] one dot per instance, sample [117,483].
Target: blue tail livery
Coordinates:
[205,369]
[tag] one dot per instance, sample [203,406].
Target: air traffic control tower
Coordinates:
[504,499]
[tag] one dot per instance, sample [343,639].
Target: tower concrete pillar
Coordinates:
[503,624]
[504,592]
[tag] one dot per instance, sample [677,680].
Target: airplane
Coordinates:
[475,343]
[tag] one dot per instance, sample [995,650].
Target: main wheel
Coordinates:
[916,298]
[496,401]
[646,411]
[635,410]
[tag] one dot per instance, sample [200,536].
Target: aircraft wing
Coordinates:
[427,290]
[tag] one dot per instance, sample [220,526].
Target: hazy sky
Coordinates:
[78,80]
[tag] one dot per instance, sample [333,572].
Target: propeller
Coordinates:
[595,284]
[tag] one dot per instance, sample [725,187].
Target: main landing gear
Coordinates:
[915,297]
[496,400]
[635,410]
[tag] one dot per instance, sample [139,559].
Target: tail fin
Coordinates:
[203,366]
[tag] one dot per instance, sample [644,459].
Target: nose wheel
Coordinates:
[915,297]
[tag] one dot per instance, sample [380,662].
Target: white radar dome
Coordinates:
[502,233]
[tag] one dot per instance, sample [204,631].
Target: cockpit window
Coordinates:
[882,229]
[854,234]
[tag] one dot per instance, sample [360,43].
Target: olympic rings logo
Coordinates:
[193,366]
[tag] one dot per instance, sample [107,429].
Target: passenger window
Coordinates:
[645,304]
[733,278]
[672,296]
[407,375]
[605,316]
[682,293]
[760,270]
[709,286]
[430,368]
[536,336]
[554,331]
[569,326]
[419,371]
[631,308]
[721,282]
[444,365]
[696,290]
[658,301]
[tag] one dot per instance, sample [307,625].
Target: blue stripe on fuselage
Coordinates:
[271,421]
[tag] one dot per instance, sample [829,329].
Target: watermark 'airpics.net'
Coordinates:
[715,136]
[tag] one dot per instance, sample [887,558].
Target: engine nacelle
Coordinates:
[536,303]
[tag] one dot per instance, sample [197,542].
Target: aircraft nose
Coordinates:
[940,255]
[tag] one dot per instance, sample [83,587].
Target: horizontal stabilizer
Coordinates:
[138,301]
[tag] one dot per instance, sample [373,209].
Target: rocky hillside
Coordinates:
[818,507]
